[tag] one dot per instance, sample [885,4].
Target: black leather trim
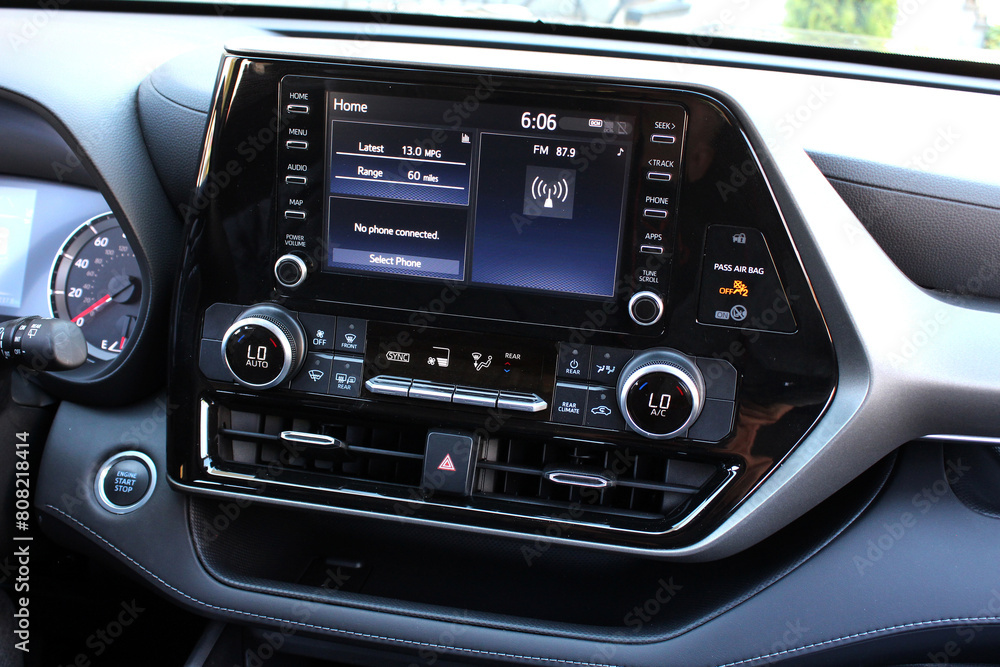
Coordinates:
[173,134]
[32,148]
[916,560]
[266,548]
[979,488]
[943,233]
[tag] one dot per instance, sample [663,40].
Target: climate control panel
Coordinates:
[657,393]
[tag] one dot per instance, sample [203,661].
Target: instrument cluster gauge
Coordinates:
[97,284]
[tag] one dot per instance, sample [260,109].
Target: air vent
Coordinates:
[307,452]
[522,482]
[593,482]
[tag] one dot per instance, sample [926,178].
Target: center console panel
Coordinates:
[527,306]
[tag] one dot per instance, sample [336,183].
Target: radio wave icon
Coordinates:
[543,190]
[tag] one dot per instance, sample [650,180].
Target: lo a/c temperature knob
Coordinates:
[661,393]
[264,347]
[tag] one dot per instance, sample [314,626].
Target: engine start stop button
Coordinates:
[125,482]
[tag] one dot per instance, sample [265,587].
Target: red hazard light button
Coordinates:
[448,463]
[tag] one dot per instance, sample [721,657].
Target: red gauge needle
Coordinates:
[94,306]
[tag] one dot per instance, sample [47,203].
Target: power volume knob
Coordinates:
[661,393]
[290,270]
[263,347]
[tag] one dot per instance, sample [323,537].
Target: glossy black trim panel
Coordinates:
[786,379]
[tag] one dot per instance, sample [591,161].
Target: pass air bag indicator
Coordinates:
[740,286]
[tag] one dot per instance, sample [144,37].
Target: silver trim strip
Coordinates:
[731,474]
[388,385]
[203,430]
[431,391]
[483,398]
[511,400]
[973,439]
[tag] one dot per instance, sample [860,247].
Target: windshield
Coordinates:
[949,29]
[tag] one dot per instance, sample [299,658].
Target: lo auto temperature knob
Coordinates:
[661,393]
[264,347]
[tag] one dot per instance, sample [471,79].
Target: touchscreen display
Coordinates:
[495,195]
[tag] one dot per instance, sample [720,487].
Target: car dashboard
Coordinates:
[414,344]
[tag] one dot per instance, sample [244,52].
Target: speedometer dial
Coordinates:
[96,283]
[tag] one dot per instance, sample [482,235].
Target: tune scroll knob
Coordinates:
[645,308]
[661,393]
[264,347]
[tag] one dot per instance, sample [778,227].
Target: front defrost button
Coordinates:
[350,335]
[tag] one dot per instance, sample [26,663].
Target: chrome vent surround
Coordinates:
[592,481]
[587,484]
[384,460]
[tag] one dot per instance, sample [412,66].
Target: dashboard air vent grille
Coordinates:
[596,481]
[342,455]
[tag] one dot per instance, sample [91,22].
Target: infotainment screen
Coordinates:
[487,194]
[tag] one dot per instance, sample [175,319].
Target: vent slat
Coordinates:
[506,467]
[247,435]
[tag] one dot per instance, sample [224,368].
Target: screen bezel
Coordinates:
[465,298]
